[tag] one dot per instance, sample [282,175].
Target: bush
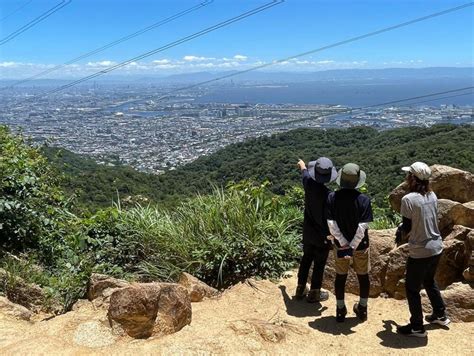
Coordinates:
[222,238]
[31,202]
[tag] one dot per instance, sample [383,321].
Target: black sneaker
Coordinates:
[440,320]
[409,331]
[360,311]
[301,291]
[341,314]
[317,295]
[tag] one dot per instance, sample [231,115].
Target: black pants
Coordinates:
[421,271]
[318,256]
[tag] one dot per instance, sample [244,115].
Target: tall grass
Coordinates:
[223,237]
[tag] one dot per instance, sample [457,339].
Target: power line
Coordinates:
[114,43]
[329,46]
[35,21]
[172,44]
[21,7]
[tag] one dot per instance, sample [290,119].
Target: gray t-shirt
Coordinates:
[425,239]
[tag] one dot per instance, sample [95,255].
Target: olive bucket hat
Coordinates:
[351,176]
[322,170]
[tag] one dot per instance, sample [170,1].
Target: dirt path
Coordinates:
[257,317]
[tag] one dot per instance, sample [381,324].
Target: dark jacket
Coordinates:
[315,227]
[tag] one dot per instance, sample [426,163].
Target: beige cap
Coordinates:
[419,170]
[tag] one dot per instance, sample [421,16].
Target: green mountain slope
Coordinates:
[379,153]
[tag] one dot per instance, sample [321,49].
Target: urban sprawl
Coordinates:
[138,127]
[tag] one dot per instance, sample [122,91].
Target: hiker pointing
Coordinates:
[316,246]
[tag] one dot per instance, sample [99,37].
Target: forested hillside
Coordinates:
[379,153]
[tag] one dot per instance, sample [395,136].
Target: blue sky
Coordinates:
[292,27]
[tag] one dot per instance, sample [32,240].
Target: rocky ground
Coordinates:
[254,317]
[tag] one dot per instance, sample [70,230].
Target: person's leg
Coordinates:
[361,267]
[320,259]
[415,274]
[303,270]
[342,268]
[432,289]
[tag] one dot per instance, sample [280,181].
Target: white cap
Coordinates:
[419,170]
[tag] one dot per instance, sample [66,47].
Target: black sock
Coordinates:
[364,285]
[340,285]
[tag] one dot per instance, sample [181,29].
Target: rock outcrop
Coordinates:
[197,289]
[14,310]
[29,295]
[459,300]
[145,309]
[135,308]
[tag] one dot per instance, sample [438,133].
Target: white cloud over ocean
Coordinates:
[187,64]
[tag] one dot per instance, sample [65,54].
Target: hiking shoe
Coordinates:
[301,291]
[440,320]
[317,295]
[360,311]
[408,330]
[341,314]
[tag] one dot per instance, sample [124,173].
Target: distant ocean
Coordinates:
[350,93]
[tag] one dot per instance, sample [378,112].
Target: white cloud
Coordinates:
[240,57]
[196,58]
[327,61]
[161,61]
[9,64]
[101,64]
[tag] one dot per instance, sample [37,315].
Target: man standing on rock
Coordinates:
[316,246]
[419,210]
[349,213]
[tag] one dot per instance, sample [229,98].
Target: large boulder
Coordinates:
[14,310]
[381,243]
[174,310]
[451,264]
[145,309]
[463,214]
[451,183]
[445,215]
[135,309]
[394,282]
[197,289]
[459,300]
[396,195]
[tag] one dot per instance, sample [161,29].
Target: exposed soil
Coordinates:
[256,317]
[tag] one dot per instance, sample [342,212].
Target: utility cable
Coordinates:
[21,7]
[114,43]
[35,21]
[323,48]
[172,44]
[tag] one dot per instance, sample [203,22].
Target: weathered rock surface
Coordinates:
[451,263]
[463,214]
[174,310]
[445,215]
[144,309]
[14,310]
[20,292]
[101,287]
[459,300]
[135,309]
[197,289]
[394,283]
[451,183]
